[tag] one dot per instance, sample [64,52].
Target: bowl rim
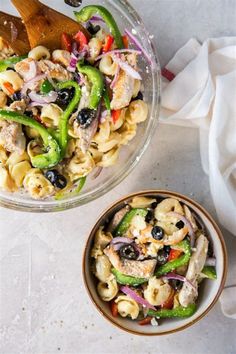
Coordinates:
[13,201]
[206,214]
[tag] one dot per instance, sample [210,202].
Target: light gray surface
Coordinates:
[43,305]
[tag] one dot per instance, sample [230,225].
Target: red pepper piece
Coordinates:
[81,39]
[66,42]
[115,115]
[174,254]
[108,43]
[8,86]
[167,74]
[145,321]
[125,41]
[114,308]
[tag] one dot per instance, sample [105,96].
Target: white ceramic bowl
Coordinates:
[210,290]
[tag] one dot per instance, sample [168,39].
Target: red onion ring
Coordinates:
[119,51]
[116,240]
[135,41]
[115,77]
[140,300]
[28,84]
[127,68]
[175,276]
[51,97]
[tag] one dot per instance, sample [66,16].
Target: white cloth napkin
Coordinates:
[203,94]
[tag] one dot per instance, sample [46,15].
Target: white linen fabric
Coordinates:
[203,94]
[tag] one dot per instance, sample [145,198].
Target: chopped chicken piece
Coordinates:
[55,71]
[123,91]
[140,269]
[11,137]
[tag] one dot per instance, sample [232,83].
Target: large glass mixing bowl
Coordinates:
[127,18]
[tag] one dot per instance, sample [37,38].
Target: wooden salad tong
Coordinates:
[44,25]
[13,31]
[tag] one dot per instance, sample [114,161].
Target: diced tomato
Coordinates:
[168,304]
[115,115]
[174,254]
[114,308]
[125,41]
[108,43]
[9,87]
[66,42]
[81,39]
[145,321]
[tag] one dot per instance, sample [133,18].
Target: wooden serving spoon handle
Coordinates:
[20,44]
[44,25]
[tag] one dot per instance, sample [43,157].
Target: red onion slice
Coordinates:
[97,173]
[116,240]
[175,276]
[119,51]
[135,41]
[127,68]
[51,97]
[140,300]
[187,223]
[96,19]
[115,77]
[28,84]
[32,72]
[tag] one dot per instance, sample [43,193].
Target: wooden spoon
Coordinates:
[44,25]
[13,31]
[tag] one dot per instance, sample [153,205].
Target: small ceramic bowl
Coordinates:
[210,290]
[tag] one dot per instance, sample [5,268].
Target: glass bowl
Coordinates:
[127,18]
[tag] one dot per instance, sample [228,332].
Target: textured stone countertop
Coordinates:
[44,308]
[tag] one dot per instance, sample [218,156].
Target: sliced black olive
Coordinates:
[128,252]
[93,29]
[180,224]
[157,233]
[85,117]
[56,179]
[176,284]
[65,96]
[16,96]
[138,97]
[73,3]
[167,249]
[149,216]
[154,205]
[162,256]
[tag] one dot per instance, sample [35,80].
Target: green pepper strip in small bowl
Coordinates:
[88,11]
[127,279]
[181,261]
[52,156]
[123,226]
[63,122]
[8,63]
[97,81]
[178,312]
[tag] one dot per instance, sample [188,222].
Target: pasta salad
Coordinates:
[66,113]
[150,258]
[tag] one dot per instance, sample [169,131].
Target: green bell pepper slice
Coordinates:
[181,261]
[178,312]
[63,194]
[106,99]
[46,87]
[88,11]
[97,81]
[8,63]
[124,224]
[63,122]
[209,272]
[127,279]
[52,155]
